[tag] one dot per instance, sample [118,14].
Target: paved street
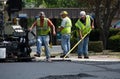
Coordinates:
[41,70]
[97,67]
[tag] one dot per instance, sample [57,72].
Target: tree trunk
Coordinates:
[104,16]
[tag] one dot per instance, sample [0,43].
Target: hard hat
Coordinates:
[82,13]
[42,14]
[64,12]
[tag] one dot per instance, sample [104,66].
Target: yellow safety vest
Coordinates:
[43,30]
[84,28]
[67,28]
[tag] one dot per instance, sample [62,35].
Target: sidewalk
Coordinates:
[100,56]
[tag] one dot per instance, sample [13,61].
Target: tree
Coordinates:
[61,3]
[33,3]
[105,10]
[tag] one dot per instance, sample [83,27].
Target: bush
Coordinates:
[113,32]
[94,35]
[96,46]
[114,43]
[118,33]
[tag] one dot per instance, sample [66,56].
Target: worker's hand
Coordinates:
[58,29]
[92,27]
[30,29]
[80,36]
[54,33]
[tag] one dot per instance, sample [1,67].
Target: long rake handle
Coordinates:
[75,45]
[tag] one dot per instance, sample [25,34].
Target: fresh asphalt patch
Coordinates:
[78,76]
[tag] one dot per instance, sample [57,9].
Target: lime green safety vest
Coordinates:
[43,30]
[67,28]
[84,28]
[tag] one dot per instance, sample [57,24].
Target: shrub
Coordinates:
[118,33]
[96,46]
[94,35]
[114,43]
[113,32]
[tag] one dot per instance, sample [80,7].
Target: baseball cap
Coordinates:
[41,14]
[64,12]
[82,13]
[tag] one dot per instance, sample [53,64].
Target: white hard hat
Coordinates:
[42,14]
[82,13]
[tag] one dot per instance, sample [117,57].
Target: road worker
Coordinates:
[43,27]
[84,24]
[65,30]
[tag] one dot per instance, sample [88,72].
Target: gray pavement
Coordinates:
[97,67]
[44,70]
[56,50]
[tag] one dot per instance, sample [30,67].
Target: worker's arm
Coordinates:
[52,26]
[92,23]
[61,27]
[33,25]
[80,34]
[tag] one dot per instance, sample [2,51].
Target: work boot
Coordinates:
[79,56]
[62,56]
[52,56]
[49,60]
[37,55]
[86,57]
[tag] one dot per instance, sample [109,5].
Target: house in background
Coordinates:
[116,21]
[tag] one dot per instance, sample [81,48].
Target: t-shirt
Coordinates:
[64,22]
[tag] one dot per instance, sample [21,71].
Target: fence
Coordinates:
[52,12]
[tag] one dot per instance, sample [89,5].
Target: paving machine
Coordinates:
[14,41]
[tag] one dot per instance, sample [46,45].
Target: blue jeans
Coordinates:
[65,43]
[43,40]
[83,47]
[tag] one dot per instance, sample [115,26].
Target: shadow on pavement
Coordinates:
[78,76]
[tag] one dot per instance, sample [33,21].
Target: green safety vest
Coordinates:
[43,30]
[84,28]
[67,28]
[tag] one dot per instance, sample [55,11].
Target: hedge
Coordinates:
[114,43]
[95,35]
[96,46]
[113,32]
